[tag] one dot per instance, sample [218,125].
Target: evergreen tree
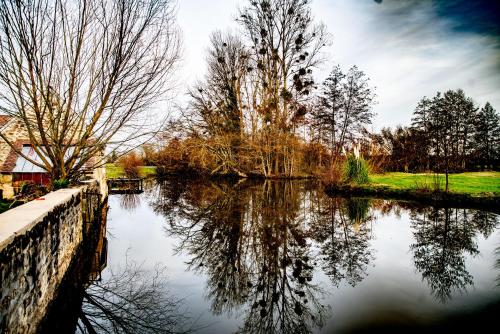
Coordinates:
[446,122]
[487,137]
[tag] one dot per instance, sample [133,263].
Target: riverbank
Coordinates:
[480,183]
[474,189]
[114,171]
[479,190]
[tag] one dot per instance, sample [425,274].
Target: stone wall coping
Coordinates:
[20,219]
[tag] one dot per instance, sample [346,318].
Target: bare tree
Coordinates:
[80,75]
[286,46]
[345,108]
[216,112]
[131,300]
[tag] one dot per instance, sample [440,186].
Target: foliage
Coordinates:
[60,184]
[334,174]
[5,205]
[344,109]
[356,170]
[432,184]
[399,150]
[28,191]
[487,137]
[31,189]
[448,134]
[446,121]
[130,164]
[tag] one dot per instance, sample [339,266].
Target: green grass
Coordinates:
[465,183]
[113,171]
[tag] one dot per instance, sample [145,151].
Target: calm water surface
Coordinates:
[281,256]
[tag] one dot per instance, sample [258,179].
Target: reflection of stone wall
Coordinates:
[38,241]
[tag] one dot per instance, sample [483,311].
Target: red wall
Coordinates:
[39,178]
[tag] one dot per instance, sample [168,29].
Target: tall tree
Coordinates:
[217,104]
[345,108]
[286,46]
[487,137]
[421,123]
[80,74]
[446,124]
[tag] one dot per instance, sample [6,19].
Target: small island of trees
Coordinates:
[259,112]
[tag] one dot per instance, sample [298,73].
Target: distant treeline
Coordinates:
[449,132]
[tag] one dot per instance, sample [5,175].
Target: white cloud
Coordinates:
[406,53]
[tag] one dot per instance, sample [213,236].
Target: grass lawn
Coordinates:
[467,183]
[113,171]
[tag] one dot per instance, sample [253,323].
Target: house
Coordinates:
[16,133]
[14,168]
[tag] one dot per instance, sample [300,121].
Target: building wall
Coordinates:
[14,131]
[6,185]
[38,242]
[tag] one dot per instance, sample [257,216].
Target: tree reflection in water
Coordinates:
[260,243]
[130,300]
[251,241]
[130,202]
[342,228]
[443,238]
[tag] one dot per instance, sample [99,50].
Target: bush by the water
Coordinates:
[356,170]
[130,164]
[60,184]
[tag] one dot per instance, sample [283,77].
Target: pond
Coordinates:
[281,256]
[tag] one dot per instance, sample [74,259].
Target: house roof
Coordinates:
[4,119]
[24,166]
[10,161]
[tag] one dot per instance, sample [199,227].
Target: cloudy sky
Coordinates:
[408,48]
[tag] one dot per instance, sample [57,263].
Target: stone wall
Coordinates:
[38,241]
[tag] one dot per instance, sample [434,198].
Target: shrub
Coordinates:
[29,190]
[435,185]
[356,170]
[60,184]
[334,174]
[131,163]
